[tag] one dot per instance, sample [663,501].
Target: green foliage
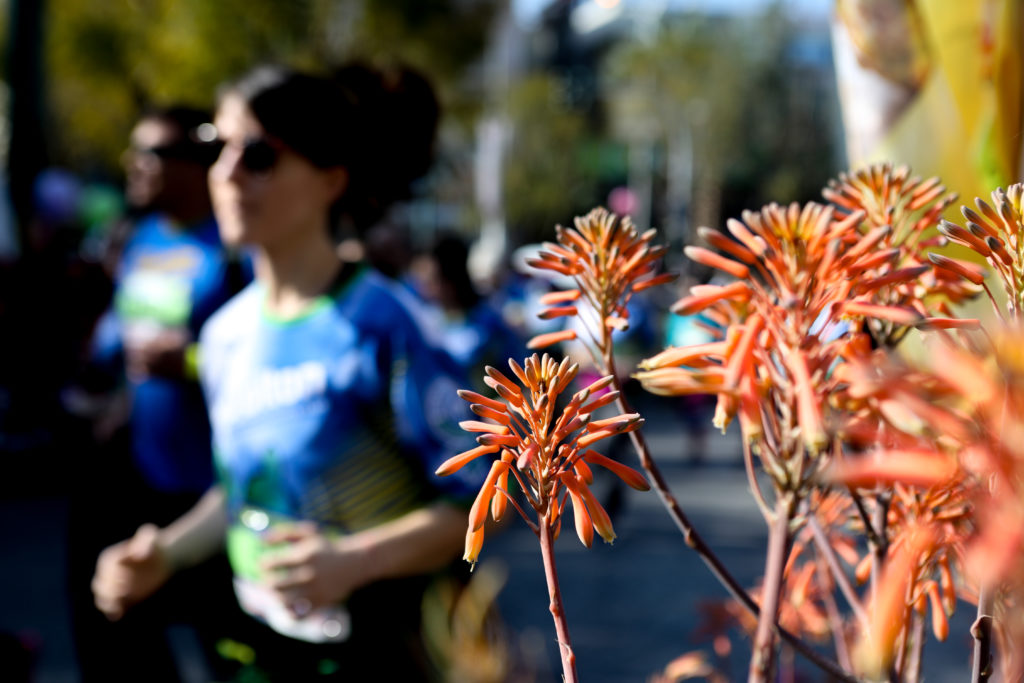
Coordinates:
[545,181]
[690,74]
[423,32]
[104,60]
[760,129]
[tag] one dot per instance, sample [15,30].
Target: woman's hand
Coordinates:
[312,569]
[130,571]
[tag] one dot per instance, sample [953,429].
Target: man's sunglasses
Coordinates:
[196,152]
[259,155]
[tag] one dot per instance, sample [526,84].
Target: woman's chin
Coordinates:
[233,234]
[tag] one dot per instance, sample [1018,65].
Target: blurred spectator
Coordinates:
[330,410]
[472,329]
[140,390]
[49,300]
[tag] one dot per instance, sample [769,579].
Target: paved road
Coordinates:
[632,607]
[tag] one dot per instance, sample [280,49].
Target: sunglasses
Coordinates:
[200,153]
[258,154]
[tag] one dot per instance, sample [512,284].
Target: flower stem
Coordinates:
[910,670]
[764,639]
[838,575]
[695,541]
[981,670]
[557,609]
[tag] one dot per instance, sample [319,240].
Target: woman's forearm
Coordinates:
[198,534]
[421,541]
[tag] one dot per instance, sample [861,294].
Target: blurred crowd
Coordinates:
[241,370]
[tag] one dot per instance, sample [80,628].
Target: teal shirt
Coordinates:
[339,416]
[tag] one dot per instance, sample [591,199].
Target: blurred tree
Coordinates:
[683,92]
[546,179]
[106,58]
[445,34]
[789,125]
[24,154]
[727,113]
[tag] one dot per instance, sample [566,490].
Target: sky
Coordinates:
[526,11]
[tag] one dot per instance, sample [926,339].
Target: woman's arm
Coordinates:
[317,570]
[132,570]
[198,534]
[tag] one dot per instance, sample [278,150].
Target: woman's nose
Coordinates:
[228,165]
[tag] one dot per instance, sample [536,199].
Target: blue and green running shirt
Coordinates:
[339,416]
[171,278]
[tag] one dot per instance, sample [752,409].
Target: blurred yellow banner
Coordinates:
[935,84]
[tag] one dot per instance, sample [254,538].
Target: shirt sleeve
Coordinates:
[427,409]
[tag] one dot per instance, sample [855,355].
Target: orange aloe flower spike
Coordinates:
[455,463]
[584,524]
[709,258]
[627,474]
[812,426]
[542,341]
[478,513]
[474,544]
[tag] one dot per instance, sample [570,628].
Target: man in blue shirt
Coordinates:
[153,458]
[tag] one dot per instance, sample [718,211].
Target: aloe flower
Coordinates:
[953,431]
[610,261]
[904,212]
[548,453]
[996,233]
[807,281]
[807,608]
[791,314]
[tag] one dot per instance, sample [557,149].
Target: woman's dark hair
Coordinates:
[378,125]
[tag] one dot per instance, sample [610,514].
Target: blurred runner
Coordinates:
[330,408]
[472,328]
[153,459]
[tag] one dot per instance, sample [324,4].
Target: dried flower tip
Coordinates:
[474,544]
[499,417]
[552,313]
[492,439]
[964,269]
[501,379]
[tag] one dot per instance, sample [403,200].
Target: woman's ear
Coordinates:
[337,182]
